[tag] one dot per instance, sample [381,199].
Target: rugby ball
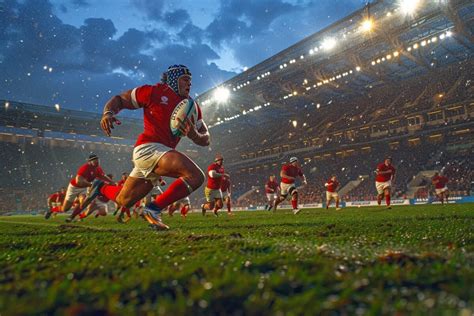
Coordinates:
[185,108]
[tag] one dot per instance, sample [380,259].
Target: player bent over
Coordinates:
[155,151]
[271,191]
[331,193]
[289,172]
[55,201]
[81,182]
[385,175]
[212,192]
[441,189]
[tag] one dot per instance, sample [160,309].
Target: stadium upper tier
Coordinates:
[381,44]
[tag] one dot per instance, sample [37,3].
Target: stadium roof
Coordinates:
[345,59]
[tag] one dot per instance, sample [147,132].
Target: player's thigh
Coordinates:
[134,189]
[175,164]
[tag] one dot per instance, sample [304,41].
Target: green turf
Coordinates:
[357,261]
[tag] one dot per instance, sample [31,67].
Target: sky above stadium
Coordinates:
[78,53]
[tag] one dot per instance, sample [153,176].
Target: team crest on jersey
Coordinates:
[164,100]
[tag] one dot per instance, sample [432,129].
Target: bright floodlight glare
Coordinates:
[329,43]
[409,6]
[57,107]
[295,123]
[367,25]
[221,94]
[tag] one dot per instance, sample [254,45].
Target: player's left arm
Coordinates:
[198,133]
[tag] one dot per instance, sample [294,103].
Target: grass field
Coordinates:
[357,261]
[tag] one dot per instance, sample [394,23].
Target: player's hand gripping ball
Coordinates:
[185,109]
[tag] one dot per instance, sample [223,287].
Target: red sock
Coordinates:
[110,191]
[337,204]
[228,207]
[184,210]
[387,199]
[176,191]
[294,203]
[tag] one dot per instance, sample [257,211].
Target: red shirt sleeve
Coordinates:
[300,172]
[141,96]
[83,170]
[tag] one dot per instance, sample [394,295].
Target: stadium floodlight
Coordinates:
[57,107]
[221,95]
[7,104]
[449,33]
[409,7]
[329,43]
[357,68]
[395,54]
[295,124]
[367,25]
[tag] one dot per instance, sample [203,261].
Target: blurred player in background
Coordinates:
[385,175]
[331,192]
[441,189]
[55,201]
[271,191]
[183,206]
[212,192]
[87,173]
[154,154]
[289,172]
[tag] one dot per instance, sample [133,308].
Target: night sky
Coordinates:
[78,53]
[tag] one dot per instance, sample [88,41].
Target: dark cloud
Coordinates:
[176,18]
[152,9]
[239,20]
[46,61]
[190,33]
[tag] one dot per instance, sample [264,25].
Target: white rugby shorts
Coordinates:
[145,158]
[381,186]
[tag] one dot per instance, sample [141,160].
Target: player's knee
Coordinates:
[195,179]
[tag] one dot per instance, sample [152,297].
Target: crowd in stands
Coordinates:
[377,113]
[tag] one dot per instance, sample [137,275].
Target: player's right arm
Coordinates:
[113,107]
